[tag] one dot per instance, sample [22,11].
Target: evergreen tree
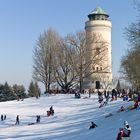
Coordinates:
[2,98]
[34,90]
[8,92]
[31,89]
[19,91]
[37,90]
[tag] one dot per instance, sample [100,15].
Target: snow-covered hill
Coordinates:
[71,120]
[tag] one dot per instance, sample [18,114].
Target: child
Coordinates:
[127,129]
[121,109]
[120,134]
[93,125]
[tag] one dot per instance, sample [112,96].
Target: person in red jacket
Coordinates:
[120,134]
[136,104]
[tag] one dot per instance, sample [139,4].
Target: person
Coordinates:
[127,129]
[99,93]
[136,104]
[105,94]
[138,107]
[51,110]
[120,134]
[17,120]
[1,117]
[100,98]
[121,109]
[107,97]
[4,117]
[113,95]
[48,113]
[89,93]
[103,104]
[93,125]
[37,118]
[77,95]
[116,94]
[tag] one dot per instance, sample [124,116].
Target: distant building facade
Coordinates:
[100,50]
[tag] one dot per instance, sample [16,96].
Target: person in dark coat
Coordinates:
[51,110]
[1,117]
[4,117]
[37,118]
[17,120]
[93,125]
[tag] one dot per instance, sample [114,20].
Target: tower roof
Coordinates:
[98,11]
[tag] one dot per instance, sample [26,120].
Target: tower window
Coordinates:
[97,50]
[96,68]
[100,68]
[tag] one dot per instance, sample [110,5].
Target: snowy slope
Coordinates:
[71,120]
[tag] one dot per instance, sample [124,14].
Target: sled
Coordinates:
[31,123]
[109,115]
[85,97]
[131,107]
[126,138]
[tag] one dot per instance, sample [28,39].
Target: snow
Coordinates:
[71,120]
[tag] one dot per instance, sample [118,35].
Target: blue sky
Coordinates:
[22,21]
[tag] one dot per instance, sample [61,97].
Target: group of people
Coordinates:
[38,117]
[3,117]
[123,132]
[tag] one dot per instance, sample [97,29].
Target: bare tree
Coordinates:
[67,61]
[63,70]
[43,58]
[130,62]
[130,67]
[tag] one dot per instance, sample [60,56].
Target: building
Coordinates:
[98,26]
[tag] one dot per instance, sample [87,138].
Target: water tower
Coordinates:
[99,26]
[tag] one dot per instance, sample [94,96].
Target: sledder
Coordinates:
[93,125]
[121,109]
[103,104]
[100,98]
[120,134]
[127,129]
[136,104]
[77,95]
[124,132]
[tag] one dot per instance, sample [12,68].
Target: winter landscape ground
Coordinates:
[71,120]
